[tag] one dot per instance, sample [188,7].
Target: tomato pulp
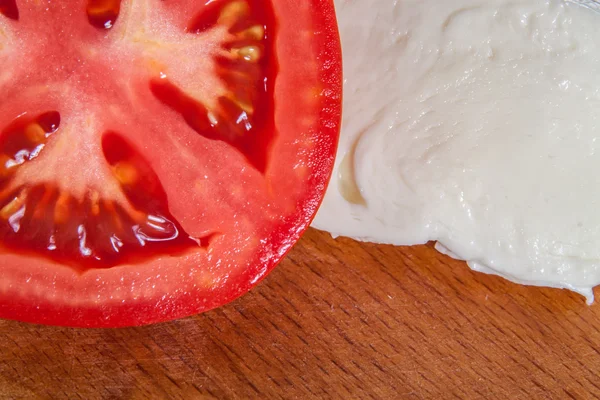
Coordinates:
[158,157]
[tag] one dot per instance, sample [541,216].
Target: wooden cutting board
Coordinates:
[337,319]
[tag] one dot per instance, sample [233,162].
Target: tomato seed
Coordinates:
[233,11]
[61,208]
[256,32]
[125,173]
[35,133]
[14,205]
[249,53]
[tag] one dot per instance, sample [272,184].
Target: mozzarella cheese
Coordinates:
[476,124]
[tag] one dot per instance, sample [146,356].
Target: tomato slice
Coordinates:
[158,157]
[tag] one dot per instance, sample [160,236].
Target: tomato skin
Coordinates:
[109,305]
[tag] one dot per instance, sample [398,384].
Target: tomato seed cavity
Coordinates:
[23,140]
[88,232]
[9,9]
[242,118]
[103,13]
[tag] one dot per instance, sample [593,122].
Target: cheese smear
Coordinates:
[476,124]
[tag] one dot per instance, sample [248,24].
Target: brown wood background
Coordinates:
[337,319]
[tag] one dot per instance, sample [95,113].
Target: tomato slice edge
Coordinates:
[27,306]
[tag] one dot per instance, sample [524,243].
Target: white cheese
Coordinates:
[475,123]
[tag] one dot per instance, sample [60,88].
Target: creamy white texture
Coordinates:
[475,123]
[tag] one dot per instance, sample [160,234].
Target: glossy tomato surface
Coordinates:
[158,157]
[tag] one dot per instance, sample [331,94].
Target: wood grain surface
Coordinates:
[337,319]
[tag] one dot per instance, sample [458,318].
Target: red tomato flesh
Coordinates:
[158,157]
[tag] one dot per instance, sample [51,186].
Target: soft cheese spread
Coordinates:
[476,124]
